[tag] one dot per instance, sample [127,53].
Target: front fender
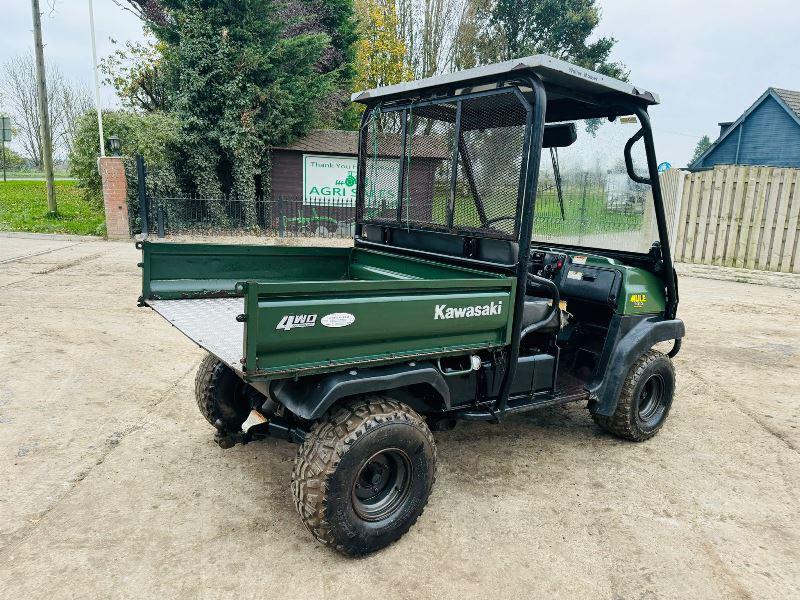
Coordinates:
[628,338]
[311,397]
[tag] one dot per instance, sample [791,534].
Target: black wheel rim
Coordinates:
[382,485]
[651,400]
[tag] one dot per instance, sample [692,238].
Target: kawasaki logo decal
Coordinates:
[442,311]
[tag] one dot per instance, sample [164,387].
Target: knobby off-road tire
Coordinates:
[220,394]
[363,474]
[645,399]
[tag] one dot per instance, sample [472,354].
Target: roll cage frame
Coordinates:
[536,106]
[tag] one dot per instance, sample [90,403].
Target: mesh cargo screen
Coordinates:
[415,183]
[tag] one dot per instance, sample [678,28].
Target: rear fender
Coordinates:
[628,338]
[311,397]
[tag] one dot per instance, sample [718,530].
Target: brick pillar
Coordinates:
[115,197]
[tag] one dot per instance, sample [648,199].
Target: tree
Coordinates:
[13,160]
[702,145]
[473,44]
[245,76]
[66,101]
[154,135]
[380,52]
[560,28]
[429,29]
[150,11]
[136,72]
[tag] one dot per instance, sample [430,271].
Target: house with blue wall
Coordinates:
[768,134]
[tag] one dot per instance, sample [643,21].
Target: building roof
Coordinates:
[340,141]
[788,99]
[326,141]
[791,98]
[553,72]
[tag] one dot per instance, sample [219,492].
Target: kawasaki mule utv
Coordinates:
[486,278]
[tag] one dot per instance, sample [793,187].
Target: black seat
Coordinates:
[536,309]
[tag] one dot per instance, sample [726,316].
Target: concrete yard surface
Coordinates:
[111,485]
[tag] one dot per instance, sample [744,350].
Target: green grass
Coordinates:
[35,174]
[23,207]
[584,213]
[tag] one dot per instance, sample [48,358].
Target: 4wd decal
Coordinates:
[442,311]
[293,321]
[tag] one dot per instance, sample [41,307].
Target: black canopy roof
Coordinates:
[572,91]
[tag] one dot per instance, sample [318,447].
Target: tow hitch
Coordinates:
[258,427]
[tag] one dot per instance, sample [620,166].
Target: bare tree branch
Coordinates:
[66,103]
[149,11]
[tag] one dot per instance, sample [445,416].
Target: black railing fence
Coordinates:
[155,207]
[577,207]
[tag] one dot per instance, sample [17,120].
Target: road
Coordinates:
[111,485]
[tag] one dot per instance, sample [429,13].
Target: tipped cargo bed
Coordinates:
[316,309]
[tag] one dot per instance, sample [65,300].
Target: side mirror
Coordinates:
[559,135]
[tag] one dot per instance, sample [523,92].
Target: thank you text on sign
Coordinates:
[331,181]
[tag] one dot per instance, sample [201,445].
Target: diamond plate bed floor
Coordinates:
[210,322]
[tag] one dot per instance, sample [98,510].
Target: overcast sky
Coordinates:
[707,59]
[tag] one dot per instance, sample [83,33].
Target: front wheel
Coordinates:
[363,474]
[645,399]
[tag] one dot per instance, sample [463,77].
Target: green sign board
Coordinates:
[331,181]
[5,126]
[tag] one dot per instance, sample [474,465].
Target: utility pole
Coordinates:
[96,83]
[44,116]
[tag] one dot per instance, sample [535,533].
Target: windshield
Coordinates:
[585,197]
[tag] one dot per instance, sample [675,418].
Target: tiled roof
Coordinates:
[791,98]
[338,141]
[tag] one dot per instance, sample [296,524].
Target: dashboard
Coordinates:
[547,264]
[575,278]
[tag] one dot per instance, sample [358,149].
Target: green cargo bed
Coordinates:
[274,311]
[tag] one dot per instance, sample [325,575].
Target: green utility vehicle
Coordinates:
[486,278]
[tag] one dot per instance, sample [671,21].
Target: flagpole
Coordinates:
[96,83]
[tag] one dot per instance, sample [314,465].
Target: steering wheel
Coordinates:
[503,218]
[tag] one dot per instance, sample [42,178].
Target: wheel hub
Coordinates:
[382,484]
[651,398]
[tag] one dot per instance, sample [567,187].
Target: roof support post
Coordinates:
[401,172]
[534,129]
[362,161]
[661,217]
[451,201]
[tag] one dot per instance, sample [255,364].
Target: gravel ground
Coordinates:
[111,485]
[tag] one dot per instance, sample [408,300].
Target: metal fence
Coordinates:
[156,206]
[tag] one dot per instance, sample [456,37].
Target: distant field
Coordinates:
[34,175]
[584,213]
[23,207]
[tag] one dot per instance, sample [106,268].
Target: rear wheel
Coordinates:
[220,394]
[645,400]
[363,474]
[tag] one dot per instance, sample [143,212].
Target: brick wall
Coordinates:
[115,197]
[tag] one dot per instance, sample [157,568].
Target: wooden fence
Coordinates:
[735,216]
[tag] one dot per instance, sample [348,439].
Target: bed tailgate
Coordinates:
[322,325]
